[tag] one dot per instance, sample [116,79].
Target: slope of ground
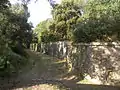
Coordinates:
[46,73]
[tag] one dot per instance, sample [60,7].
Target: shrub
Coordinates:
[11,63]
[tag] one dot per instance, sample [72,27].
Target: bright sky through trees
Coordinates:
[39,11]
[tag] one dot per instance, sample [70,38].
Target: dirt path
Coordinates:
[46,70]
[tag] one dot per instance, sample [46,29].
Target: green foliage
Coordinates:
[18,49]
[42,27]
[22,31]
[100,22]
[85,21]
[48,36]
[76,2]
[10,62]
[15,33]
[65,17]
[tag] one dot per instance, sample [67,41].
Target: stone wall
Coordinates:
[56,49]
[105,62]
[100,61]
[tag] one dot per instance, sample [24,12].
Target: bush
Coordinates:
[11,63]
[18,49]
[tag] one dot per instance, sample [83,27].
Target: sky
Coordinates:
[39,11]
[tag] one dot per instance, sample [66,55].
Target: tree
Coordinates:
[41,28]
[77,2]
[65,17]
[22,32]
[14,33]
[100,22]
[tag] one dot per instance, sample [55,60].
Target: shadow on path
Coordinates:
[44,69]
